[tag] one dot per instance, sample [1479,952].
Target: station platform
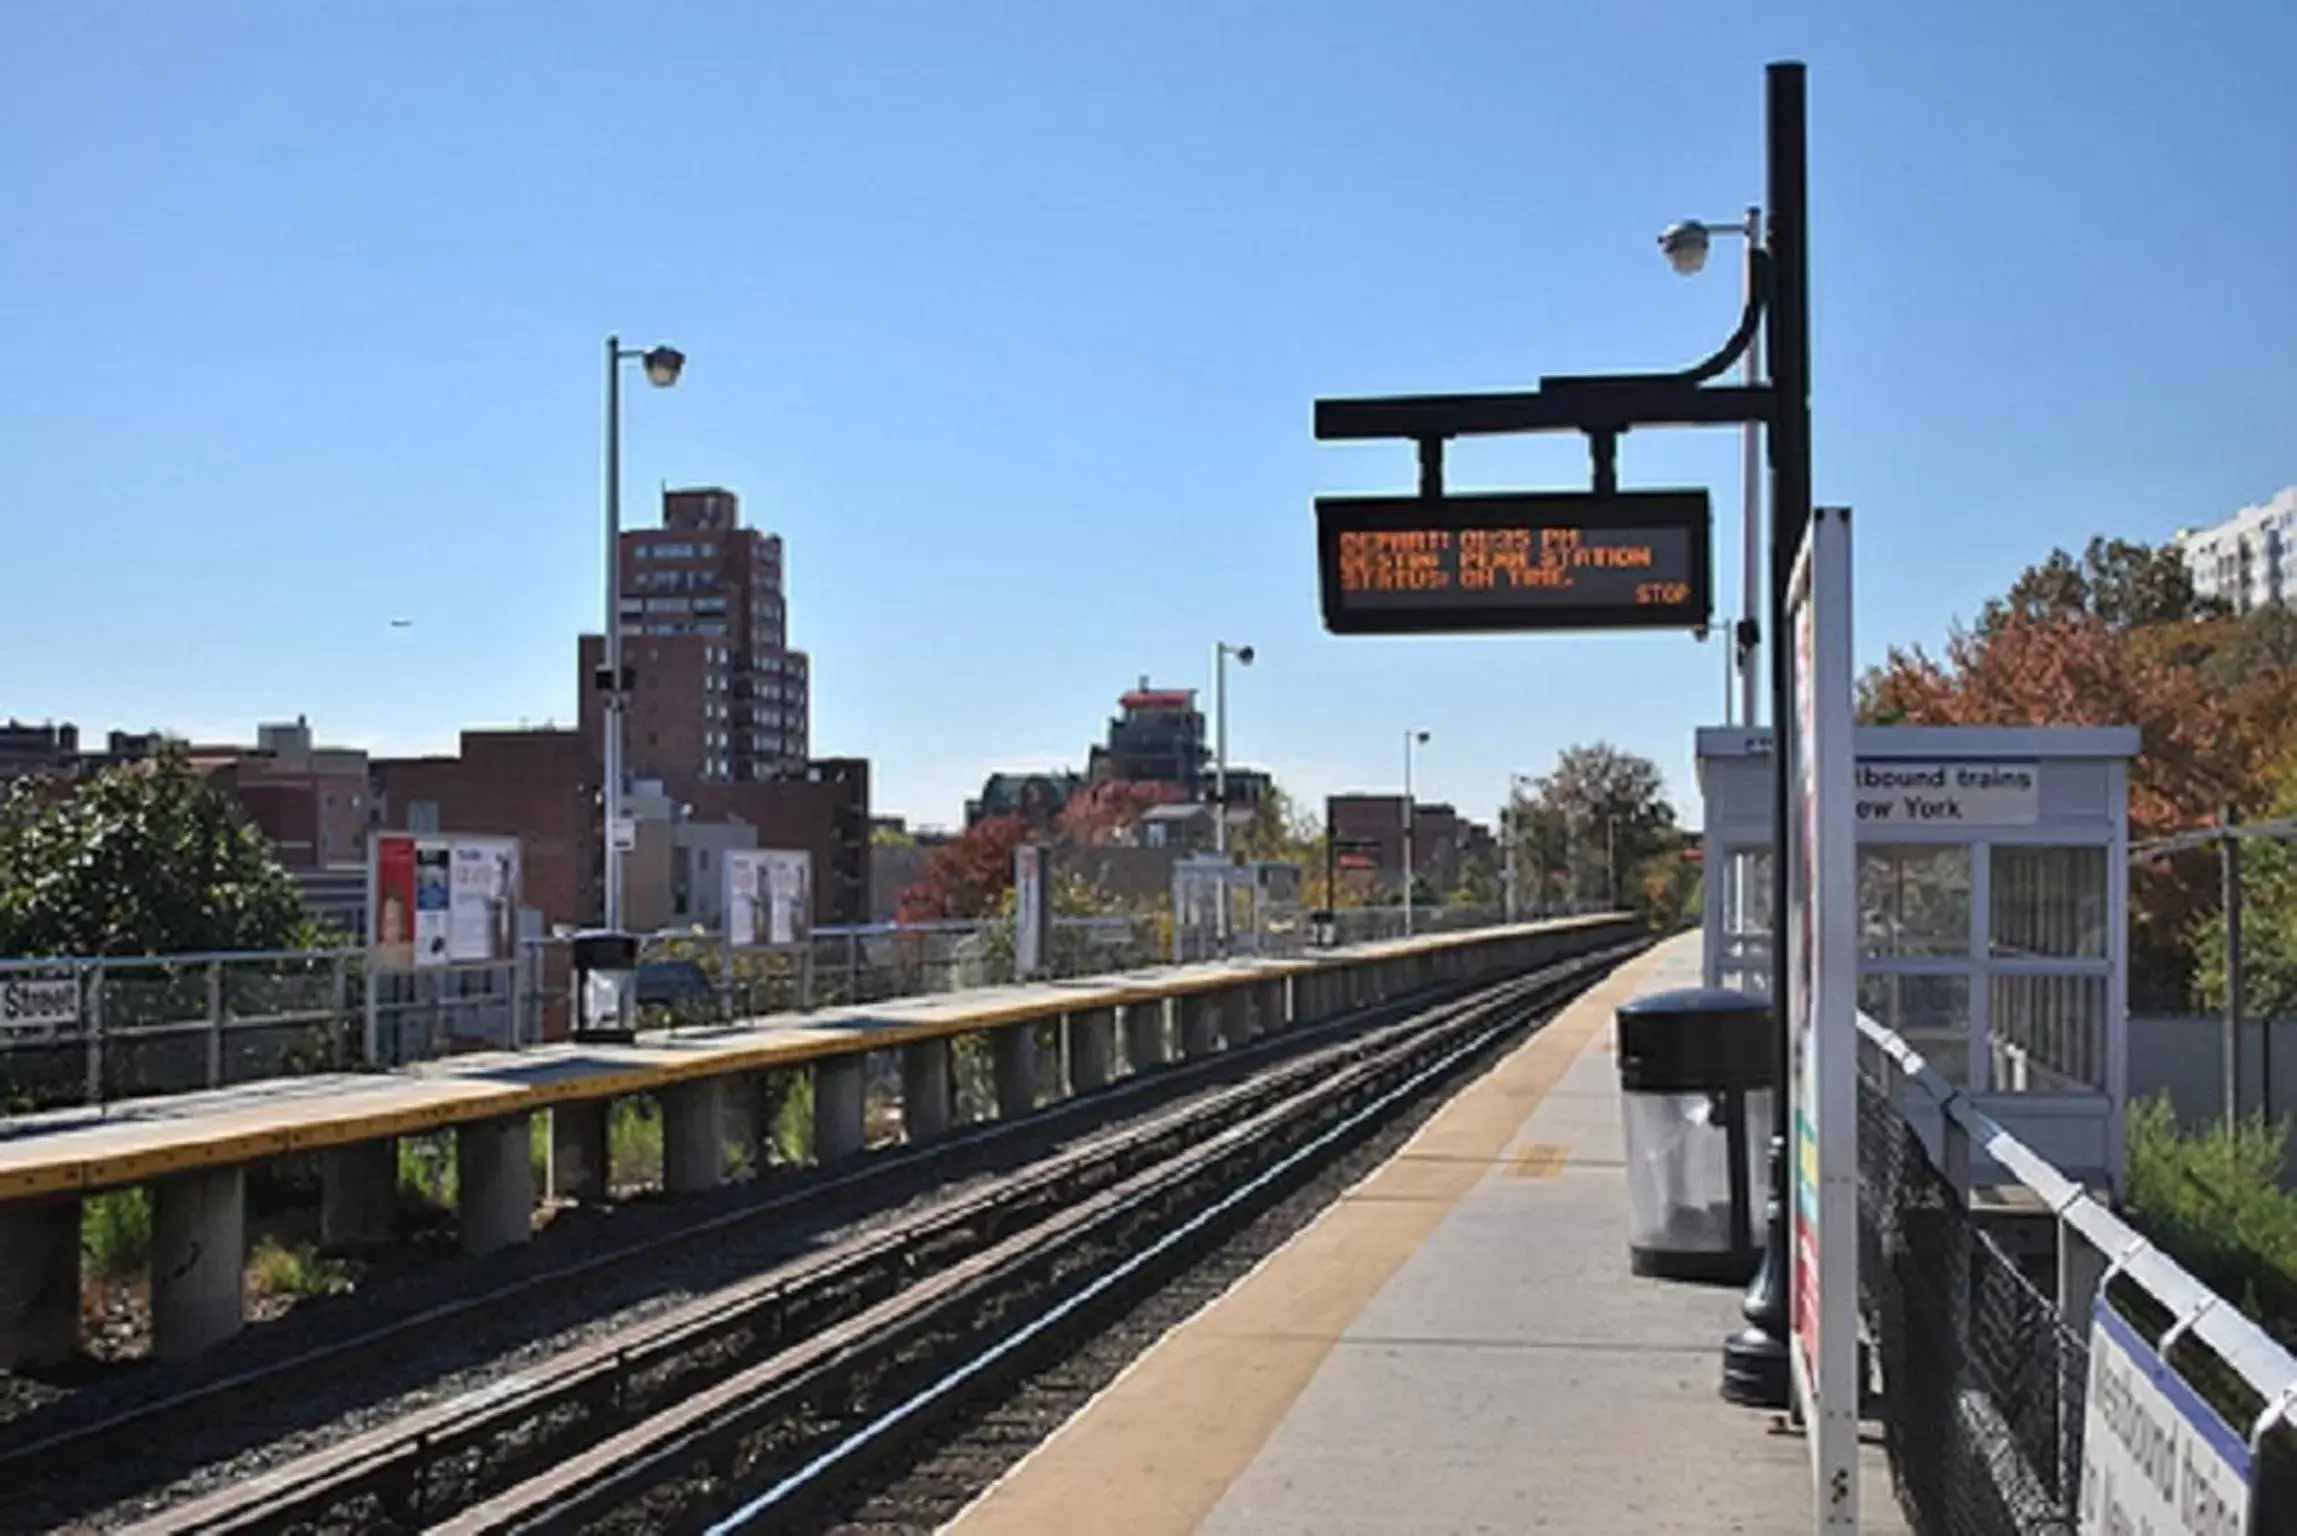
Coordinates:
[1044,1042]
[1455,1345]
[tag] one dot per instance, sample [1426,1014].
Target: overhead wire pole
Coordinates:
[1407,834]
[2229,875]
[2227,837]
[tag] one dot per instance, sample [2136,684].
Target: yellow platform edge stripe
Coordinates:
[464,1100]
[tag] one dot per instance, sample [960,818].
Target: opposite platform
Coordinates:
[1455,1345]
[98,1147]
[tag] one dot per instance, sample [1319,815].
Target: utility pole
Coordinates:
[1611,863]
[2229,870]
[1507,876]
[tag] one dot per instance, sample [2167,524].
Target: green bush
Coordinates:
[2214,1201]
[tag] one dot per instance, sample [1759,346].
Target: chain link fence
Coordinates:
[1981,1400]
[1985,1354]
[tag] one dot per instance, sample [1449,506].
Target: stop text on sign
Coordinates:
[1514,561]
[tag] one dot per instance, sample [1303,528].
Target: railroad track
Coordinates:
[47,1465]
[759,1402]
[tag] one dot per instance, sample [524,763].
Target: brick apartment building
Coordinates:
[541,787]
[53,750]
[717,695]
[313,802]
[1442,840]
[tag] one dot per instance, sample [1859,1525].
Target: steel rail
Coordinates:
[757,1314]
[39,1457]
[702,1426]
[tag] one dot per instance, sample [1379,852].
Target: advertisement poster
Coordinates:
[434,883]
[1802,1002]
[440,900]
[788,880]
[741,867]
[1822,1013]
[1822,980]
[393,907]
[769,896]
[482,913]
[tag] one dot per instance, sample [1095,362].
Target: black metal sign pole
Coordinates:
[1755,1369]
[1602,408]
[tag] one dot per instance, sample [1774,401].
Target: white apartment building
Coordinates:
[2250,559]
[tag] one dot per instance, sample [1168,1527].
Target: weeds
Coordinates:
[427,1171]
[280,1269]
[793,1121]
[634,1143]
[116,1231]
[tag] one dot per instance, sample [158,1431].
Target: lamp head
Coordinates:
[1685,246]
[1244,655]
[663,365]
[1421,737]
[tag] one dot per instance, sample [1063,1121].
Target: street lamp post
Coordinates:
[1221,651]
[1407,829]
[662,365]
[1685,247]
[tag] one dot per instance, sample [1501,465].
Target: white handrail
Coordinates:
[2195,1310]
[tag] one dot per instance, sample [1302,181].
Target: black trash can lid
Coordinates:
[1696,1038]
[1705,1000]
[605,949]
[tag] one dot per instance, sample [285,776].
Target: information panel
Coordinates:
[1514,561]
[2155,1457]
[1822,1028]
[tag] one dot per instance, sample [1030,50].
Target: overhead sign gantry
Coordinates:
[1599,559]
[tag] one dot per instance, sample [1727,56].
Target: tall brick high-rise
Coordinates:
[717,695]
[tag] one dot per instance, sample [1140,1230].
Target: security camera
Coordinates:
[1685,246]
[1244,654]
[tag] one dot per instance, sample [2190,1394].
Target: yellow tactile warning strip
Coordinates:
[1168,1436]
[1541,1161]
[460,1091]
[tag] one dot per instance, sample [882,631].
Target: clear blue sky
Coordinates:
[1010,317]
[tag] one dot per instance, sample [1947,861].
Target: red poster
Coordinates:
[394,915]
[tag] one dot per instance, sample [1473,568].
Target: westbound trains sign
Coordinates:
[1514,561]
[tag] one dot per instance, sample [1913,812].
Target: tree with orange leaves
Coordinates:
[966,877]
[2119,637]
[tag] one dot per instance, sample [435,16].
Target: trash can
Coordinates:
[1697,1068]
[605,986]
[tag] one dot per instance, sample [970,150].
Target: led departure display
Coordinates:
[1514,561]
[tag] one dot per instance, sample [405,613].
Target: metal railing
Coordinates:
[90,1030]
[93,1030]
[1984,1358]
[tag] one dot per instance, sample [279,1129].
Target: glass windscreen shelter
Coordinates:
[1993,885]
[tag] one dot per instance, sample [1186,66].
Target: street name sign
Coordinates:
[1514,561]
[38,1005]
